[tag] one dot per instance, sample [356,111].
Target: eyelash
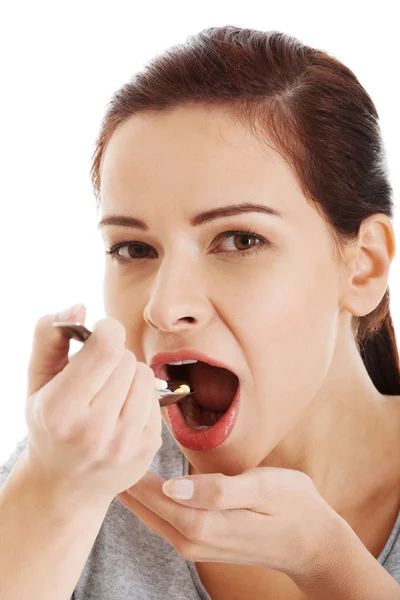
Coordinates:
[254,250]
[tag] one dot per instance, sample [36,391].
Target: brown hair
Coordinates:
[315,112]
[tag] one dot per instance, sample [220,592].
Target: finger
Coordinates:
[146,500]
[85,375]
[141,397]
[153,425]
[135,499]
[140,417]
[187,548]
[193,528]
[262,489]
[152,521]
[113,395]
[49,354]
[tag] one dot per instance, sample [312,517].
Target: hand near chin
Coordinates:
[267,516]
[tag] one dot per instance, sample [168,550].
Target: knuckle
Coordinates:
[305,479]
[53,414]
[218,492]
[101,352]
[91,441]
[186,549]
[43,323]
[303,483]
[307,485]
[50,421]
[106,346]
[57,422]
[197,529]
[120,450]
[51,418]
[113,328]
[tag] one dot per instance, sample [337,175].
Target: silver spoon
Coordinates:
[79,332]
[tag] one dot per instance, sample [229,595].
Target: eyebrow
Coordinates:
[196,220]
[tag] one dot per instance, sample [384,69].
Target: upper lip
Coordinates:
[162,358]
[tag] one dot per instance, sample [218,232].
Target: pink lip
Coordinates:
[159,360]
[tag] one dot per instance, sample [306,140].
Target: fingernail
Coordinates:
[64,315]
[161,384]
[181,489]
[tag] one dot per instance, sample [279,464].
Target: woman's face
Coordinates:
[269,311]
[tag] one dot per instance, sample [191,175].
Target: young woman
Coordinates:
[246,213]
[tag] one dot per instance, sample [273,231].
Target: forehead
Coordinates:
[198,153]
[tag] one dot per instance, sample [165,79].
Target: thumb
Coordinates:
[50,349]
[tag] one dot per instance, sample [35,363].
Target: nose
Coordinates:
[178,301]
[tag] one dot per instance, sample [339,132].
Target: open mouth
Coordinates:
[215,390]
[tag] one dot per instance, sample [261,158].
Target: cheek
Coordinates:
[291,336]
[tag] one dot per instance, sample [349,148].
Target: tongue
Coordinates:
[215,387]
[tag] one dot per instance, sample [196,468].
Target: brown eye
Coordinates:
[136,251]
[241,241]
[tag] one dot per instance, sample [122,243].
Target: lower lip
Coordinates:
[203,439]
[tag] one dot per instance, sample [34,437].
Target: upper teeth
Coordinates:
[183,362]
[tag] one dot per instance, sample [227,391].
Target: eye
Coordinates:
[140,251]
[241,241]
[136,251]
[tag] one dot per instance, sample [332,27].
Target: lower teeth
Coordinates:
[195,424]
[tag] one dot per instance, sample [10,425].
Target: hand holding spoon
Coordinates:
[168,396]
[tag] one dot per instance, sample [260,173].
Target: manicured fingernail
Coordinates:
[66,314]
[181,489]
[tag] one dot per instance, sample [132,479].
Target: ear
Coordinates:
[364,278]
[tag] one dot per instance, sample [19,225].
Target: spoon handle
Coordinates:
[80,332]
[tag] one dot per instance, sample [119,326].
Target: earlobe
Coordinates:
[366,276]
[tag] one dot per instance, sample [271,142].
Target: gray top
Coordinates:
[130,562]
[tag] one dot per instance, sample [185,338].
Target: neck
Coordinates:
[345,441]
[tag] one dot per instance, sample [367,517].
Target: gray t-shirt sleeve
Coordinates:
[7,467]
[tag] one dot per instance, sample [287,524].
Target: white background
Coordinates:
[60,63]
